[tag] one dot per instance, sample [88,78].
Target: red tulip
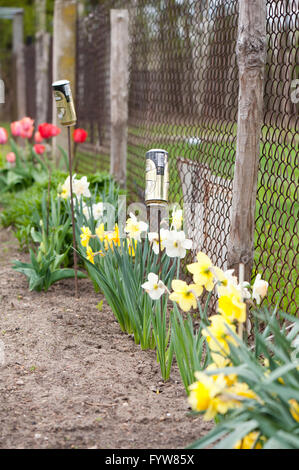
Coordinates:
[3,135]
[80,135]
[38,138]
[47,130]
[39,149]
[11,157]
[16,128]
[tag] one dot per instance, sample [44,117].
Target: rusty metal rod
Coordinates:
[72,211]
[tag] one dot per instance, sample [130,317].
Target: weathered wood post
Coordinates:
[42,59]
[251,53]
[119,77]
[18,52]
[64,55]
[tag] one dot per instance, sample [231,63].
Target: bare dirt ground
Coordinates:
[72,379]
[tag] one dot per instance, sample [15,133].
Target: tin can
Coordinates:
[64,103]
[157,177]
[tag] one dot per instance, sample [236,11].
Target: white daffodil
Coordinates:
[86,211]
[66,188]
[154,239]
[81,187]
[176,244]
[177,219]
[154,287]
[97,210]
[259,289]
[134,228]
[243,288]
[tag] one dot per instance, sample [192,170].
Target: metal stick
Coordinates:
[159,236]
[241,280]
[72,211]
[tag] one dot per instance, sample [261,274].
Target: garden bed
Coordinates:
[72,379]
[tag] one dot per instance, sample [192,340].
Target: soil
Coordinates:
[72,379]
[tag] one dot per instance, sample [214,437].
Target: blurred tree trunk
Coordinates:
[42,59]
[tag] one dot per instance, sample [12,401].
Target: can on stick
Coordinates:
[64,103]
[157,177]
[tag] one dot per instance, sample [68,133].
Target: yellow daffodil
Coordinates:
[230,379]
[185,295]
[202,271]
[112,238]
[208,394]
[90,254]
[240,391]
[100,232]
[224,277]
[218,337]
[294,409]
[248,441]
[131,244]
[85,236]
[231,306]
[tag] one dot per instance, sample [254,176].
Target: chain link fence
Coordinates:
[183,97]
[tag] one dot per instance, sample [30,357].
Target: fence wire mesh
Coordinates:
[276,237]
[183,97]
[93,92]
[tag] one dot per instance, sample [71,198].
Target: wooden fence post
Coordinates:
[251,53]
[64,55]
[20,76]
[119,77]
[42,59]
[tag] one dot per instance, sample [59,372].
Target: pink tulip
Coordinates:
[11,157]
[27,127]
[16,128]
[3,135]
[38,138]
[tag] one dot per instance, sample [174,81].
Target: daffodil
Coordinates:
[250,441]
[185,295]
[208,394]
[259,289]
[153,238]
[112,238]
[85,236]
[241,391]
[131,244]
[294,409]
[219,337]
[66,187]
[134,228]
[100,232]
[81,187]
[202,271]
[176,244]
[153,286]
[230,379]
[177,219]
[230,304]
[90,254]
